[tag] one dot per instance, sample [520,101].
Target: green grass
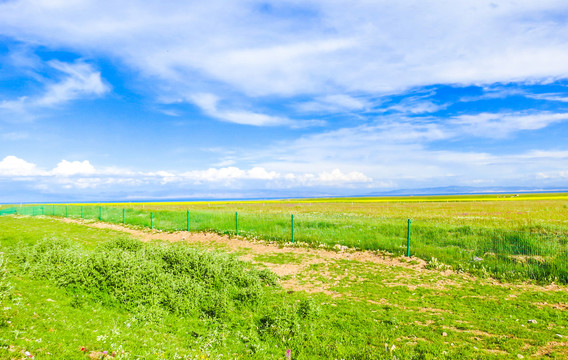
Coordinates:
[520,239]
[374,311]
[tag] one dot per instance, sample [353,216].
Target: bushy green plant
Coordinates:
[163,278]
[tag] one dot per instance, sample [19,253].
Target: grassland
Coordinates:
[331,308]
[506,236]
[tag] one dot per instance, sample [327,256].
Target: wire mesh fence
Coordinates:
[502,253]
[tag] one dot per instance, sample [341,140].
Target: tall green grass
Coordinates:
[537,252]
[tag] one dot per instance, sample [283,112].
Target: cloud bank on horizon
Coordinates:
[178,99]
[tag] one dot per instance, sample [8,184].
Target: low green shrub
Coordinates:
[163,278]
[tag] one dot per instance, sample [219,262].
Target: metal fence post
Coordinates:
[408,240]
[292,228]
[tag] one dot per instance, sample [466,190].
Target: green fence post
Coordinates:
[292,228]
[66,211]
[100,213]
[82,216]
[237,222]
[122,216]
[187,220]
[42,212]
[151,220]
[408,240]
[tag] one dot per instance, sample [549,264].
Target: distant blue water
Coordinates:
[396,193]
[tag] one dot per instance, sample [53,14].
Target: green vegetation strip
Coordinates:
[538,252]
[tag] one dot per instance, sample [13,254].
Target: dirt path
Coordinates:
[251,249]
[303,257]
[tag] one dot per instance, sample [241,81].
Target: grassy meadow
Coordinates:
[506,236]
[69,291]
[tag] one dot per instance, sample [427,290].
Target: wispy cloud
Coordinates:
[549,97]
[399,151]
[332,103]
[415,105]
[209,104]
[502,125]
[78,80]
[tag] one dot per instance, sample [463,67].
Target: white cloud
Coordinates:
[332,103]
[333,178]
[70,168]
[548,97]
[82,175]
[14,105]
[209,104]
[261,174]
[14,166]
[402,152]
[336,176]
[334,47]
[81,80]
[502,125]
[553,175]
[230,173]
[415,105]
[213,174]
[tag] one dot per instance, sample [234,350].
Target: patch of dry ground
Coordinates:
[310,256]
[251,249]
[558,347]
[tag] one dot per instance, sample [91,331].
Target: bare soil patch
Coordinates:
[559,306]
[251,249]
[560,348]
[239,244]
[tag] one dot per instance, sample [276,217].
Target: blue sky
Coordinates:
[104,100]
